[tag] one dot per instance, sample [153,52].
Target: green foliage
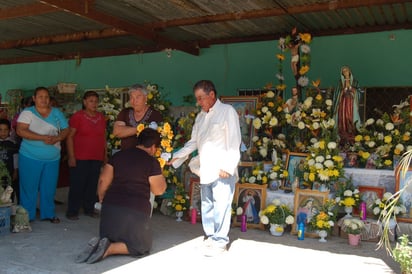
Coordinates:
[402,254]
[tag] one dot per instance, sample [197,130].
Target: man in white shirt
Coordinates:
[216,135]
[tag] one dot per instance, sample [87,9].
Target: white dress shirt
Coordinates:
[216,135]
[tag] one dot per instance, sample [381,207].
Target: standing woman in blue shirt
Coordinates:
[42,128]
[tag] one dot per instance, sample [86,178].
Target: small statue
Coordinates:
[21,220]
[6,195]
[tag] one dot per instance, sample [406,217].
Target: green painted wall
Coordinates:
[374,58]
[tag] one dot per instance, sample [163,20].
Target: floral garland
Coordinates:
[110,105]
[303,40]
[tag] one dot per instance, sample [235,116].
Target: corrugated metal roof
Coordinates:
[45,30]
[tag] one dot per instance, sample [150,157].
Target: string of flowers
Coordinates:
[110,105]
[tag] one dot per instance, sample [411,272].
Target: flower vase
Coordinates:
[276,229]
[324,188]
[348,211]
[354,239]
[179,215]
[322,234]
[274,185]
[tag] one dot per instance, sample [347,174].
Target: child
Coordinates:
[9,155]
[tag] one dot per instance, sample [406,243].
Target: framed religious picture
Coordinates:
[194,194]
[295,162]
[403,181]
[369,194]
[251,198]
[306,204]
[245,106]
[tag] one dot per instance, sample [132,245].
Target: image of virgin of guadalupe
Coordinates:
[346,107]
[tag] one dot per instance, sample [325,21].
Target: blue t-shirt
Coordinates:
[51,125]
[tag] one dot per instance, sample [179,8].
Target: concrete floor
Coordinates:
[52,248]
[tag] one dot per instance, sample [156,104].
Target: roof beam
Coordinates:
[319,7]
[63,38]
[85,9]
[31,9]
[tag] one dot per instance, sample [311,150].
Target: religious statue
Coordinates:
[346,107]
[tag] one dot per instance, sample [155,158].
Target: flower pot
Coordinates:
[348,211]
[276,229]
[354,239]
[322,234]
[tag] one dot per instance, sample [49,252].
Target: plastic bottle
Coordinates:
[193,215]
[301,231]
[243,226]
[362,214]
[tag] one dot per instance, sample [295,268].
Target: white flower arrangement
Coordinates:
[379,205]
[353,226]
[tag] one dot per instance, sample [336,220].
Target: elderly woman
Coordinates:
[42,128]
[138,112]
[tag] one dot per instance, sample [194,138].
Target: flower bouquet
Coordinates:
[180,201]
[276,213]
[325,218]
[353,226]
[347,195]
[381,206]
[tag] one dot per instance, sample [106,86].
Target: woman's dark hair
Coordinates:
[206,85]
[148,137]
[40,88]
[89,93]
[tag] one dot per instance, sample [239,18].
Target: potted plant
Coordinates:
[324,220]
[354,229]
[277,215]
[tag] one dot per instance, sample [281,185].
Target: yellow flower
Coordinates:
[150,96]
[318,97]
[367,138]
[349,202]
[140,128]
[306,37]
[162,162]
[281,87]
[358,138]
[281,57]
[387,162]
[303,70]
[312,176]
[316,83]
[179,207]
[388,139]
[406,137]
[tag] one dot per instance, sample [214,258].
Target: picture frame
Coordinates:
[293,161]
[369,194]
[194,194]
[245,106]
[308,201]
[245,170]
[252,199]
[406,196]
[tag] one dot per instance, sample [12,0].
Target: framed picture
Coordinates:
[369,194]
[294,165]
[245,106]
[306,204]
[406,196]
[245,170]
[194,194]
[251,198]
